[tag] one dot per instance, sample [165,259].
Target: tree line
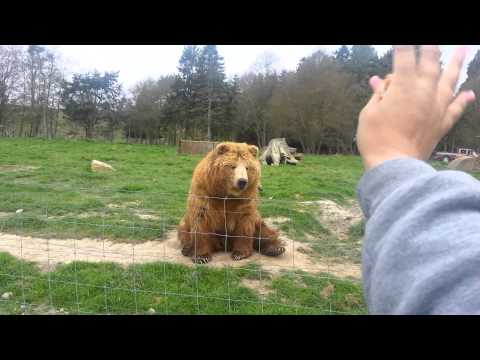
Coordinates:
[315,107]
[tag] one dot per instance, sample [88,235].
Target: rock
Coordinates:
[98,166]
[7,295]
[19,211]
[151,311]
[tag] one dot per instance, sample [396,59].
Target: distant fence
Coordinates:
[195,147]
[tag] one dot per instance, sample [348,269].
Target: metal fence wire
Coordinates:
[118,253]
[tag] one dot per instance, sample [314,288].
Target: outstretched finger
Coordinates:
[457,107]
[451,74]
[404,62]
[429,63]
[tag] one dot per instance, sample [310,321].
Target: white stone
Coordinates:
[7,295]
[151,311]
[99,166]
[19,211]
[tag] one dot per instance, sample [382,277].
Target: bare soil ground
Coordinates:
[50,252]
[338,218]
[16,168]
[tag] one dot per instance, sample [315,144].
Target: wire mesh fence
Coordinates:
[116,251]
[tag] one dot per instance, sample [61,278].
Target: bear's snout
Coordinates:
[242,183]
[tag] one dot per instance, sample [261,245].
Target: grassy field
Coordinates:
[146,196]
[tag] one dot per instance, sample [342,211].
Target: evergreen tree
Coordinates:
[473,70]
[385,63]
[342,55]
[180,106]
[229,120]
[210,89]
[363,63]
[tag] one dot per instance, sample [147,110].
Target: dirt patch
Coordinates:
[84,215]
[138,213]
[50,252]
[337,218]
[115,206]
[128,204]
[257,285]
[89,214]
[5,215]
[147,216]
[272,221]
[144,216]
[17,168]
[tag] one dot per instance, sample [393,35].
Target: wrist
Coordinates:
[374,160]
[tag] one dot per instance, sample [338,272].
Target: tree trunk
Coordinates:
[264,133]
[209,119]
[89,131]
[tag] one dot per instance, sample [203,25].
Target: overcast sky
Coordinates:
[138,62]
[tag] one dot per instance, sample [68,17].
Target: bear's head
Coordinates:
[235,169]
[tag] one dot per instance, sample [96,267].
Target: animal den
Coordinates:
[278,152]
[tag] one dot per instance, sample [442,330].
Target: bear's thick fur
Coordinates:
[222,207]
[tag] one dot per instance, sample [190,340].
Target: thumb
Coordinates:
[377,85]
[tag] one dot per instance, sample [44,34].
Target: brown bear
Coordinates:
[222,207]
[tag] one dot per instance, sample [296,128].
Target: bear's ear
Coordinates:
[253,150]
[222,148]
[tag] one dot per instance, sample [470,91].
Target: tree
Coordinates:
[34,66]
[256,94]
[180,106]
[385,63]
[229,125]
[314,105]
[147,118]
[91,97]
[211,88]
[342,55]
[363,63]
[264,63]
[467,129]
[10,81]
[50,78]
[473,70]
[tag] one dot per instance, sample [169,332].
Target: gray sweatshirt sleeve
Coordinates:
[421,251]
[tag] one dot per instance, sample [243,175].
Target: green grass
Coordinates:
[106,288]
[61,197]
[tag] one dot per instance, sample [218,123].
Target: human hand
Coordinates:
[409,116]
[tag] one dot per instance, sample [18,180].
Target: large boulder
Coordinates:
[98,166]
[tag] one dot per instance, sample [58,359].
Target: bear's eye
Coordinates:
[246,168]
[233,167]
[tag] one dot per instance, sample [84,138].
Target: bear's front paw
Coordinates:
[239,255]
[274,251]
[201,259]
[187,251]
